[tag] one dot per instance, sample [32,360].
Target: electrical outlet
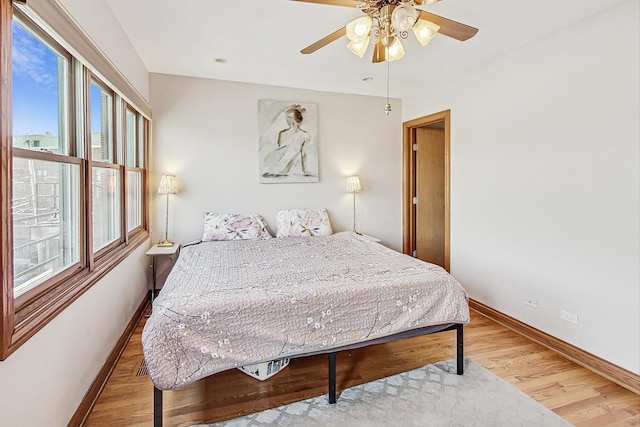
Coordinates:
[530,302]
[569,317]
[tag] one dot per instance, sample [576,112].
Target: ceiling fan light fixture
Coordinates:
[359,47]
[395,51]
[425,31]
[359,29]
[379,52]
[404,16]
[388,40]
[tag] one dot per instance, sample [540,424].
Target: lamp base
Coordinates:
[165,244]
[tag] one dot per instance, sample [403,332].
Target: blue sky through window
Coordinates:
[95,107]
[35,84]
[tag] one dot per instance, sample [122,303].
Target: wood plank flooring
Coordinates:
[575,393]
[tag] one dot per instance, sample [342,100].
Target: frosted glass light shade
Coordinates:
[395,51]
[425,31]
[359,28]
[353,184]
[168,185]
[403,17]
[359,47]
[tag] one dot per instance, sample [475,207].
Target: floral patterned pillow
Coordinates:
[226,226]
[303,222]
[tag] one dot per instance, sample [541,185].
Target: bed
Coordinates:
[227,304]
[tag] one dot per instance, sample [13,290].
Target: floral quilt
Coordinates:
[231,303]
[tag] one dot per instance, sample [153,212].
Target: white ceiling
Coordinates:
[262,39]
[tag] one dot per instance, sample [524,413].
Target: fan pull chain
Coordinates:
[387,108]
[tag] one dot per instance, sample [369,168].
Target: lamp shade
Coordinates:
[360,47]
[353,184]
[168,185]
[425,31]
[359,28]
[395,51]
[404,16]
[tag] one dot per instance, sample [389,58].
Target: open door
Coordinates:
[426,164]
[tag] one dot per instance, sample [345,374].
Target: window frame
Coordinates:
[21,317]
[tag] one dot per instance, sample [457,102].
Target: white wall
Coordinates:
[56,367]
[97,20]
[206,132]
[546,182]
[44,381]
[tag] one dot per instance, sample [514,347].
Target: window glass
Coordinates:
[46,220]
[106,206]
[101,120]
[131,137]
[134,199]
[39,76]
[144,136]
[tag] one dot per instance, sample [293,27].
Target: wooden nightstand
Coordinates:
[157,251]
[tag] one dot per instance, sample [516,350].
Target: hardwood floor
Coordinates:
[575,393]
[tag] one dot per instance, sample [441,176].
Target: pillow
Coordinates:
[227,226]
[303,222]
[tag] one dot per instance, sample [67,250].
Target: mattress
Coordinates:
[233,303]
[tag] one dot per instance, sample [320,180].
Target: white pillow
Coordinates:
[303,222]
[227,226]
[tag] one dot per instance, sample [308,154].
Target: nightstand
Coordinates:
[155,252]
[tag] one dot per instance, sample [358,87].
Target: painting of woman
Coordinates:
[288,151]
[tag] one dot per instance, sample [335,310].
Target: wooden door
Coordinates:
[426,178]
[430,195]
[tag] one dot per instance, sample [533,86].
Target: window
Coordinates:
[105,189]
[77,149]
[131,127]
[45,185]
[134,199]
[135,133]
[101,119]
[106,207]
[39,76]
[46,224]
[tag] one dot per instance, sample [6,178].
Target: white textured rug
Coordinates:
[430,396]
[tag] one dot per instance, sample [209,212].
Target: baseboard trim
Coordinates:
[608,370]
[90,398]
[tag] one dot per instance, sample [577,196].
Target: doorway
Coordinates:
[426,183]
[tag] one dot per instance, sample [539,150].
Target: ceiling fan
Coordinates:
[388,21]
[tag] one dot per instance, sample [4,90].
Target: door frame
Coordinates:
[409,184]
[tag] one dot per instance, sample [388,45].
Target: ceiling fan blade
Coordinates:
[379,52]
[450,28]
[325,41]
[345,3]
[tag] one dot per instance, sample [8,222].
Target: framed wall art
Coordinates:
[288,141]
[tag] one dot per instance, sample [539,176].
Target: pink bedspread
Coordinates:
[232,303]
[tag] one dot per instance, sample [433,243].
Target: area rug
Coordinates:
[429,396]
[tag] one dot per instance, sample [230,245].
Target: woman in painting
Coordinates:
[290,150]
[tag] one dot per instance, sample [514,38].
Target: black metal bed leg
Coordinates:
[332,377]
[157,407]
[460,349]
